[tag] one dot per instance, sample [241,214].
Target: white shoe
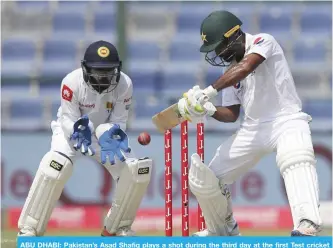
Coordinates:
[125,232]
[306,228]
[204,233]
[27,232]
[232,230]
[122,232]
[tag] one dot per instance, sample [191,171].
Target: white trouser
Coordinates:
[243,150]
[291,139]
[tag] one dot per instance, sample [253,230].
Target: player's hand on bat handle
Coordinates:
[209,108]
[112,143]
[197,96]
[193,113]
[82,136]
[204,95]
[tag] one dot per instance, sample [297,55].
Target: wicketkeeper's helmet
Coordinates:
[101,66]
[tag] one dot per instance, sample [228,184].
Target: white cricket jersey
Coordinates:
[269,91]
[78,99]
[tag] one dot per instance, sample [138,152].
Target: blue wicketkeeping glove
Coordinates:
[112,143]
[82,136]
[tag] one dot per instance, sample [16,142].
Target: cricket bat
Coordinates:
[168,118]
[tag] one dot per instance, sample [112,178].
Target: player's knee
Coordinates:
[295,148]
[202,180]
[56,166]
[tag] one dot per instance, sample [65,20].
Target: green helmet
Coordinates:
[219,30]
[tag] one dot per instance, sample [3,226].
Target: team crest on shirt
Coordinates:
[237,86]
[258,41]
[108,106]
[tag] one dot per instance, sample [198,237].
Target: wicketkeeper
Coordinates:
[95,102]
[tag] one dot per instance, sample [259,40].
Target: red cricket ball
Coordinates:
[144,138]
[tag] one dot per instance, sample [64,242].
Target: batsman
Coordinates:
[95,103]
[258,79]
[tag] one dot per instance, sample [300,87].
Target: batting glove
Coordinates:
[195,114]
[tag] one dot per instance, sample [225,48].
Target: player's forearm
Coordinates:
[225,114]
[67,126]
[235,74]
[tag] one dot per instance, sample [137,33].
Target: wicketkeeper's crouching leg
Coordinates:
[131,187]
[214,199]
[54,171]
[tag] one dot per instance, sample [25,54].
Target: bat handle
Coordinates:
[203,99]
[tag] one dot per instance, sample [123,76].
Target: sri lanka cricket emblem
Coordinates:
[108,106]
[103,52]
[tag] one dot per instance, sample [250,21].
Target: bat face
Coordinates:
[168,118]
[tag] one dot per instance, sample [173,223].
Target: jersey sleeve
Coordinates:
[229,97]
[264,45]
[70,111]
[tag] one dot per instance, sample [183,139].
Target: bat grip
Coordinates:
[203,99]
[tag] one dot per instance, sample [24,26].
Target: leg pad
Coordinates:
[54,171]
[131,188]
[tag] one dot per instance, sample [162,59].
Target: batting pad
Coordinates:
[131,187]
[296,161]
[53,173]
[206,188]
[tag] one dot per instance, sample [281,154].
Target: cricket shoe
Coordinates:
[204,233]
[231,226]
[306,228]
[122,232]
[27,232]
[207,233]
